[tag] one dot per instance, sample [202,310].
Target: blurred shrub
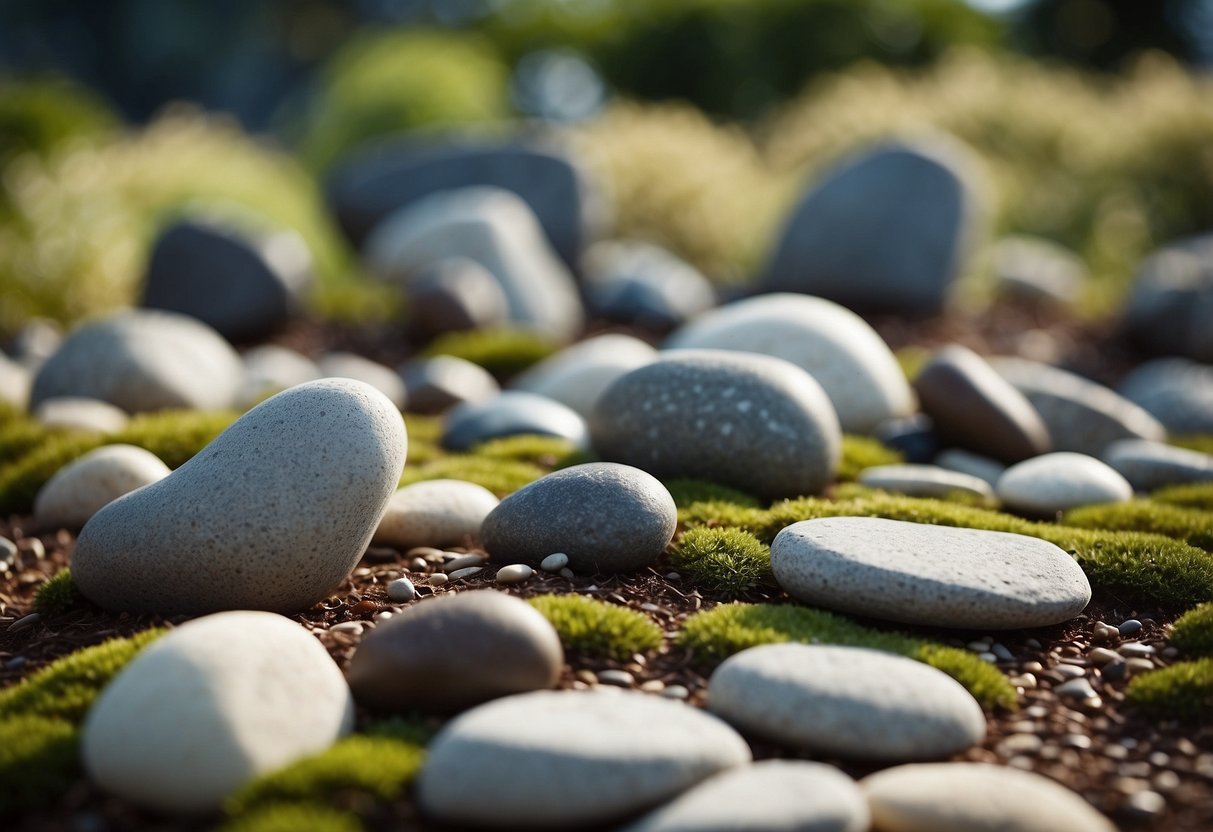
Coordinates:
[39,115]
[385,83]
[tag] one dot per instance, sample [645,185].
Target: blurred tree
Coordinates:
[1104,33]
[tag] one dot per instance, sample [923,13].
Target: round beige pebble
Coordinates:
[82,488]
[515,573]
[434,513]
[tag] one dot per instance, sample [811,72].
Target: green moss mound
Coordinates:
[1192,632]
[293,817]
[545,451]
[688,491]
[66,688]
[1192,495]
[58,595]
[596,628]
[725,560]
[503,352]
[860,452]
[174,435]
[501,476]
[20,436]
[37,759]
[21,480]
[39,115]
[1190,525]
[1202,442]
[730,628]
[1182,691]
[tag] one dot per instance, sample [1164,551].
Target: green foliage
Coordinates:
[860,452]
[1193,631]
[730,628]
[292,817]
[37,759]
[21,480]
[1193,495]
[384,83]
[66,688]
[58,595]
[596,628]
[1194,442]
[40,115]
[503,352]
[501,476]
[1188,524]
[380,768]
[423,428]
[1182,691]
[688,491]
[545,451]
[20,437]
[174,435]
[724,560]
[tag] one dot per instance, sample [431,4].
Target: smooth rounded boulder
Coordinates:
[605,517]
[272,515]
[448,653]
[211,705]
[753,422]
[434,513]
[84,486]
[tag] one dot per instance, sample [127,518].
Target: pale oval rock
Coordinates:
[84,486]
[270,369]
[81,413]
[924,481]
[932,575]
[434,513]
[834,345]
[769,796]
[351,365]
[273,514]
[211,705]
[561,759]
[1151,465]
[1056,482]
[578,375]
[928,797]
[512,413]
[847,702]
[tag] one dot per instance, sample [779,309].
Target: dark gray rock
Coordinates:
[754,422]
[644,285]
[974,407]
[447,654]
[1151,465]
[435,385]
[914,437]
[510,414]
[1171,303]
[889,229]
[454,295]
[1176,391]
[605,517]
[242,283]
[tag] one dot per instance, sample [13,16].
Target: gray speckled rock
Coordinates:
[578,375]
[80,413]
[143,360]
[1055,482]
[84,486]
[448,653]
[211,705]
[1038,270]
[15,383]
[924,481]
[889,228]
[753,422]
[834,345]
[511,414]
[931,575]
[1082,416]
[770,796]
[270,369]
[605,517]
[435,385]
[434,513]
[640,284]
[927,797]
[563,759]
[1171,303]
[847,702]
[350,365]
[1151,465]
[273,514]
[975,465]
[1176,391]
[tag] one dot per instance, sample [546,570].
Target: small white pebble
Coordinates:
[1146,803]
[438,579]
[386,615]
[1024,680]
[649,606]
[673,576]
[347,627]
[460,574]
[515,573]
[401,590]
[675,692]
[554,562]
[463,562]
[1070,671]
[1135,650]
[979,646]
[1076,688]
[652,686]
[988,658]
[619,678]
[1102,656]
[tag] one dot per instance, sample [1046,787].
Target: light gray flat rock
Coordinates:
[924,481]
[932,575]
[1056,482]
[434,513]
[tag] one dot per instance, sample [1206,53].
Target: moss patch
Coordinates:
[688,491]
[730,628]
[174,435]
[20,437]
[1202,442]
[1193,495]
[1181,691]
[1193,631]
[723,560]
[21,481]
[503,352]
[37,759]
[1191,525]
[596,628]
[545,451]
[501,476]
[291,817]
[58,595]
[860,452]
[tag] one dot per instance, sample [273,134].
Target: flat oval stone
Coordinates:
[513,413]
[769,796]
[273,514]
[757,423]
[974,407]
[926,797]
[84,486]
[213,704]
[1057,482]
[578,375]
[434,513]
[448,653]
[562,759]
[848,702]
[932,575]
[143,360]
[924,481]
[605,517]
[835,346]
[1150,465]
[80,413]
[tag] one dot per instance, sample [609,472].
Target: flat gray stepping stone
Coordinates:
[512,413]
[924,481]
[847,702]
[562,759]
[757,423]
[1056,482]
[770,796]
[1176,391]
[927,797]
[932,575]
[1151,465]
